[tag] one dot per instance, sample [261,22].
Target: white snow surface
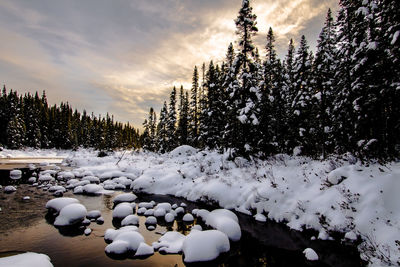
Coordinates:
[293,189]
[130,220]
[144,250]
[28,259]
[171,242]
[204,245]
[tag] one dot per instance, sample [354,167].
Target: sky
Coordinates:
[124,56]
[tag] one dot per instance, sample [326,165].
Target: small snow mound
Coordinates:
[166,206]
[27,259]
[149,212]
[26,198]
[9,189]
[169,217]
[144,250]
[188,217]
[130,220]
[151,220]
[126,197]
[122,210]
[310,254]
[183,151]
[88,231]
[207,245]
[141,211]
[147,205]
[71,214]
[93,214]
[160,212]
[15,174]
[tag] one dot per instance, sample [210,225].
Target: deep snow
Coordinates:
[335,195]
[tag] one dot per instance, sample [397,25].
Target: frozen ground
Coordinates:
[336,195]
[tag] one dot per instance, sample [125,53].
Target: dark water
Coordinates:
[23,227]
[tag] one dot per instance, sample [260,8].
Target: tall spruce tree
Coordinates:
[194,109]
[171,121]
[162,131]
[182,129]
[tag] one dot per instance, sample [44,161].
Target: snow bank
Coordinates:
[28,259]
[204,245]
[334,195]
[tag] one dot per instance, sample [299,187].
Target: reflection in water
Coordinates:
[262,244]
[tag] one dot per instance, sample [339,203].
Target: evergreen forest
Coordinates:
[28,121]
[344,97]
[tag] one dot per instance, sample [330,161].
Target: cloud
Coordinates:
[124,56]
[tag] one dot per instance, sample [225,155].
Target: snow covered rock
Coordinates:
[28,259]
[15,174]
[122,210]
[144,250]
[93,214]
[130,220]
[149,212]
[126,197]
[58,203]
[111,234]
[147,205]
[125,242]
[91,179]
[188,217]
[207,245]
[71,214]
[225,221]
[166,206]
[350,236]
[159,212]
[260,217]
[141,211]
[169,217]
[171,242]
[180,210]
[9,189]
[32,180]
[55,188]
[92,189]
[45,178]
[151,220]
[26,198]
[88,231]
[310,254]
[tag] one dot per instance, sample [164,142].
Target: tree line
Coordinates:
[28,121]
[344,98]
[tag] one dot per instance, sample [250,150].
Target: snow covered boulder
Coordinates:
[201,246]
[171,242]
[57,188]
[160,212]
[70,215]
[125,242]
[27,259]
[110,234]
[310,254]
[9,189]
[188,218]
[149,212]
[151,220]
[130,220]
[92,189]
[183,151]
[166,206]
[147,205]
[45,178]
[93,214]
[225,221]
[126,197]
[91,179]
[122,210]
[58,203]
[32,180]
[15,174]
[141,211]
[169,217]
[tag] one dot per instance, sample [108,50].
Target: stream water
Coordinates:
[23,227]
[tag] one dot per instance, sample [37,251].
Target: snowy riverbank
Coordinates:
[328,196]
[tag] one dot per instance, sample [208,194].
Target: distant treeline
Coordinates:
[28,121]
[345,98]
